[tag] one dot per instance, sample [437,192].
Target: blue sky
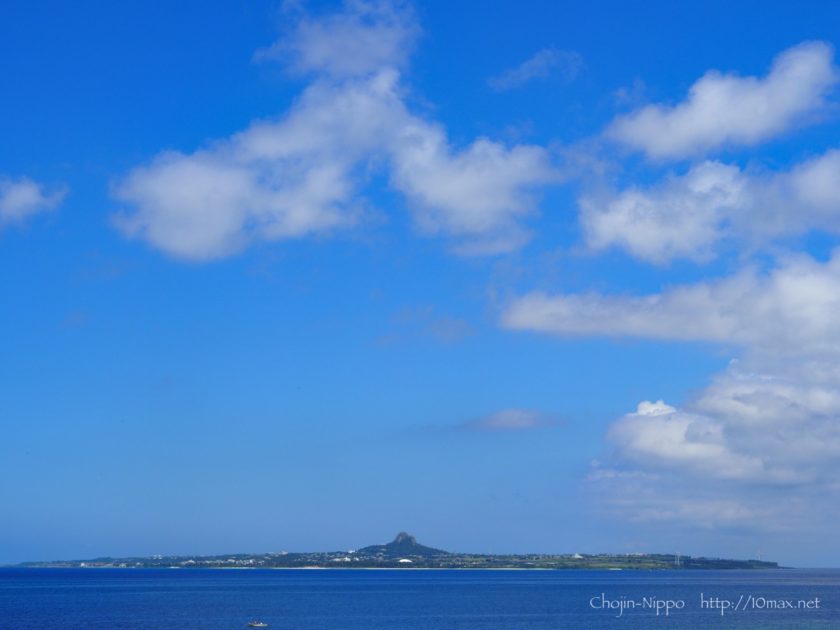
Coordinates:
[521,277]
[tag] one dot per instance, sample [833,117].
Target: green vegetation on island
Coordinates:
[405,552]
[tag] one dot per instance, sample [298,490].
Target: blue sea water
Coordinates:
[417,599]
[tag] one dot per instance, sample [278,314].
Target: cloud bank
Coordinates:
[766,428]
[788,311]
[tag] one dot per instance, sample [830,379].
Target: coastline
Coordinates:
[403,569]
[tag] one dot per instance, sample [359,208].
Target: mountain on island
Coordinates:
[403,546]
[405,552]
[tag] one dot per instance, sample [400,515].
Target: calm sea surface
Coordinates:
[413,599]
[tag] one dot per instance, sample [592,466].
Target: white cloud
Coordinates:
[768,444]
[541,65]
[746,400]
[480,192]
[688,216]
[305,173]
[791,310]
[690,443]
[679,218]
[276,180]
[22,198]
[728,110]
[650,409]
[363,38]
[810,194]
[764,431]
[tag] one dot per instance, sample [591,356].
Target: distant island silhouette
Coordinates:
[404,552]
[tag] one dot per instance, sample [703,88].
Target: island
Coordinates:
[404,552]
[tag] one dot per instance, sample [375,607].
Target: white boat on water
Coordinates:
[257,624]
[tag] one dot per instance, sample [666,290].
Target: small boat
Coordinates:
[257,624]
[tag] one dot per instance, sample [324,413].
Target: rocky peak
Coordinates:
[404,539]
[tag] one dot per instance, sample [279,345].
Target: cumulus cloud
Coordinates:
[688,216]
[766,443]
[683,217]
[728,110]
[22,198]
[813,187]
[479,193]
[278,179]
[658,436]
[765,428]
[305,172]
[541,65]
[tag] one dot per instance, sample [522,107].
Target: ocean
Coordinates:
[417,599]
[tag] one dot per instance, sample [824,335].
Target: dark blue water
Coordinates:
[415,599]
